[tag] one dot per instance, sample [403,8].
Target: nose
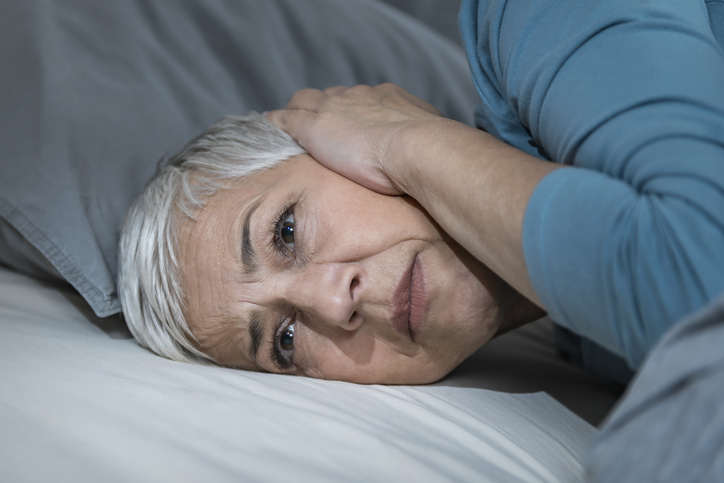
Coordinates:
[331,293]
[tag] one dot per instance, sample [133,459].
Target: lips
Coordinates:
[418,300]
[410,301]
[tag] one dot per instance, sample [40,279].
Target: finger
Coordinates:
[335,90]
[308,99]
[295,122]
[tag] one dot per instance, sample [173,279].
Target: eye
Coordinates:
[286,340]
[283,232]
[282,352]
[286,232]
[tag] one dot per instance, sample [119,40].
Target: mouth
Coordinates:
[410,301]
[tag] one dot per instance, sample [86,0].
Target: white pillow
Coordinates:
[82,402]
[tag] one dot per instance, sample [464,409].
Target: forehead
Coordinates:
[209,255]
[218,296]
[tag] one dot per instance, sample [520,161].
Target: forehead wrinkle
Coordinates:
[210,274]
[213,338]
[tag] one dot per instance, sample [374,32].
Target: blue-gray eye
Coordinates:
[286,339]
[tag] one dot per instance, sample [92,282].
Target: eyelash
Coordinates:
[277,241]
[275,351]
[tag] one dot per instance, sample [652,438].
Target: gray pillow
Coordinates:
[94,93]
[441,15]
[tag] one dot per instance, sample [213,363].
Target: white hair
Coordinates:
[149,281]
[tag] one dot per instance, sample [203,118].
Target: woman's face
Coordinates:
[299,270]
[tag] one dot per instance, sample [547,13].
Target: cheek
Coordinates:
[355,229]
[474,284]
[366,360]
[326,353]
[473,303]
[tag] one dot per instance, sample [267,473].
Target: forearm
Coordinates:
[475,186]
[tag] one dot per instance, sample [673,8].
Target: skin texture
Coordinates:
[475,186]
[336,282]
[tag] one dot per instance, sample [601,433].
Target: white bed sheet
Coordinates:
[81,401]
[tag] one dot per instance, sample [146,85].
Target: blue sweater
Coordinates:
[631,94]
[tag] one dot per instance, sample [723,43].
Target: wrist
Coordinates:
[409,149]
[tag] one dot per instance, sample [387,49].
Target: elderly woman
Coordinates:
[247,252]
[595,190]
[231,250]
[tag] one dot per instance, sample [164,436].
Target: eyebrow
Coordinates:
[256,329]
[248,254]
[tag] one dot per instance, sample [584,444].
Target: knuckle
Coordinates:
[360,88]
[335,90]
[302,94]
[388,87]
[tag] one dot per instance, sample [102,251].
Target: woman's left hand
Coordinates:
[352,130]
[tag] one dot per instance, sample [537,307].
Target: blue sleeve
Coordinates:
[630,93]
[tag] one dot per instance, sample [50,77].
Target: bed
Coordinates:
[96,95]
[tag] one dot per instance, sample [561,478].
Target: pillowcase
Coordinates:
[94,93]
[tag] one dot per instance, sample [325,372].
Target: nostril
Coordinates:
[355,319]
[352,286]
